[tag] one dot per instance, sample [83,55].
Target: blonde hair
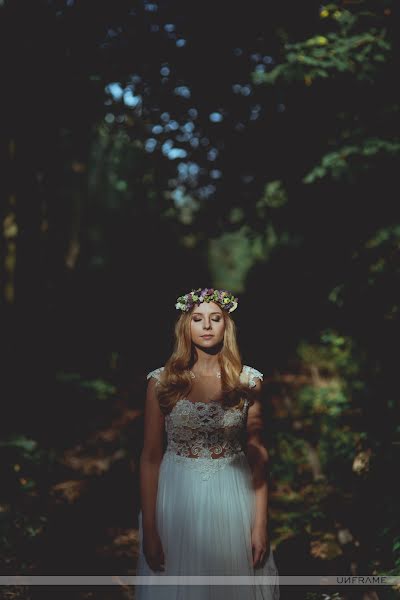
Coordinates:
[175,380]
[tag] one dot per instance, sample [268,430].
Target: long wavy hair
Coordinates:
[175,379]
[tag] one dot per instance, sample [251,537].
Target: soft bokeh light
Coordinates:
[216,117]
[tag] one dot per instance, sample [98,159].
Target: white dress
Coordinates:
[205,506]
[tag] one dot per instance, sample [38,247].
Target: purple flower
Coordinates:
[225,298]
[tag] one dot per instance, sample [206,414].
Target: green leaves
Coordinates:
[344,50]
[98,388]
[343,161]
[274,196]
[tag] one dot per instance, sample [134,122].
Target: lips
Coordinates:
[207,336]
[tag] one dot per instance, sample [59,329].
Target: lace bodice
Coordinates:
[204,435]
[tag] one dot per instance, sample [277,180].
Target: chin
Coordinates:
[208,343]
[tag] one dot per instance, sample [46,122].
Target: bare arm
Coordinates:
[151,457]
[257,455]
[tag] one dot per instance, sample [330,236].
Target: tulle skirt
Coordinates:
[204,515]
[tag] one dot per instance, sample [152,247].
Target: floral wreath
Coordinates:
[225,299]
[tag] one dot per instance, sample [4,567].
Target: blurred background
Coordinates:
[149,148]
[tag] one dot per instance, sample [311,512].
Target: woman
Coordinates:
[205,499]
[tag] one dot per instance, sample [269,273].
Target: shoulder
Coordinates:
[155,374]
[251,375]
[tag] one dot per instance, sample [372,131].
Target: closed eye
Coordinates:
[216,320]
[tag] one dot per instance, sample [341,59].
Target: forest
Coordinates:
[150,147]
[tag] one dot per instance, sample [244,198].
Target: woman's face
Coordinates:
[207,325]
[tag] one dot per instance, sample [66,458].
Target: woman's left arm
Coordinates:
[257,455]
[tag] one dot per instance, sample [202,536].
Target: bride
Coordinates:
[204,500]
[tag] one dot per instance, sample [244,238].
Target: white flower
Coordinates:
[180,306]
[233,307]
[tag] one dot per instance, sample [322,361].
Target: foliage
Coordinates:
[357,49]
[343,50]
[97,388]
[330,398]
[24,469]
[291,457]
[324,596]
[373,273]
[349,159]
[335,356]
[21,460]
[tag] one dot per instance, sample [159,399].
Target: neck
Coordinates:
[207,360]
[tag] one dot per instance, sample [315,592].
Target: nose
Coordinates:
[207,324]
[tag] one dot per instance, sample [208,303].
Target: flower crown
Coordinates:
[225,299]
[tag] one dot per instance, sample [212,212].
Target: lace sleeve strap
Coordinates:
[252,375]
[155,373]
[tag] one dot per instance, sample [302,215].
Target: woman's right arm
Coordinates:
[150,458]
